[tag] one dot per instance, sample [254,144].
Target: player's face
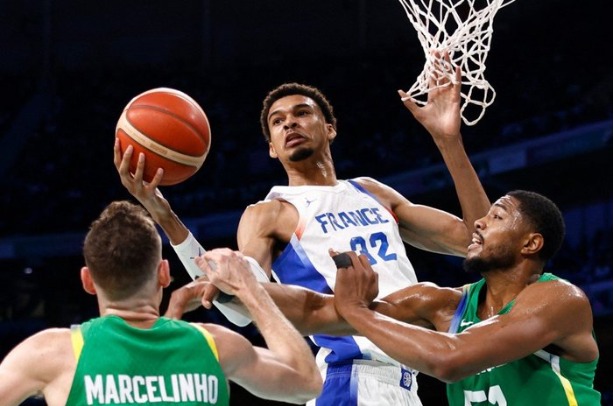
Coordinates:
[298,128]
[498,238]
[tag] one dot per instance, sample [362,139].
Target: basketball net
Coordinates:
[463,28]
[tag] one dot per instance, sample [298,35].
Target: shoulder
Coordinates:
[48,352]
[385,194]
[264,209]
[369,183]
[44,364]
[275,218]
[554,291]
[552,302]
[52,338]
[564,313]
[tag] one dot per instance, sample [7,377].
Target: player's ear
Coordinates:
[164,273]
[86,281]
[331,132]
[272,152]
[533,244]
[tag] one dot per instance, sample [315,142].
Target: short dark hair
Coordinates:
[122,249]
[289,89]
[545,217]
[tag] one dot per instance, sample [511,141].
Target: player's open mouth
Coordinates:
[293,139]
[477,241]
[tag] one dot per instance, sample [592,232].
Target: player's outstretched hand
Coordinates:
[441,115]
[146,193]
[356,283]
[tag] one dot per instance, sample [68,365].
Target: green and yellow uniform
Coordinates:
[538,379]
[171,363]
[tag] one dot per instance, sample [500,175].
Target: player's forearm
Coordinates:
[310,312]
[275,328]
[172,226]
[279,334]
[427,351]
[472,197]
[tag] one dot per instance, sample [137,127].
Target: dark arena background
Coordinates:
[68,68]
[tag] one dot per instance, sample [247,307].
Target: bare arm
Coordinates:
[43,364]
[148,194]
[263,228]
[539,318]
[159,208]
[422,304]
[441,117]
[309,311]
[314,313]
[287,371]
[256,369]
[422,226]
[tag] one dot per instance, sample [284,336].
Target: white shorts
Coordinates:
[367,383]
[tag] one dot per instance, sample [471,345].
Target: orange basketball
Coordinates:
[170,128]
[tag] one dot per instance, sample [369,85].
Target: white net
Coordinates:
[463,29]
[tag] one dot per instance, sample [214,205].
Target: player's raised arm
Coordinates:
[183,242]
[148,194]
[441,117]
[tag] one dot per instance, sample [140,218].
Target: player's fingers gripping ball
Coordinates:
[170,128]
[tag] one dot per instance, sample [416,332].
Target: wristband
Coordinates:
[187,251]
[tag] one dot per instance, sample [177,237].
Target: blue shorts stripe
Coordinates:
[340,387]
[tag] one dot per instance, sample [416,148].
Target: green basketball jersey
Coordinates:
[173,362]
[538,379]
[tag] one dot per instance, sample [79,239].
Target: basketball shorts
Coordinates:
[367,383]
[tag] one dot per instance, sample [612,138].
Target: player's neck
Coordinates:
[141,316]
[320,173]
[501,288]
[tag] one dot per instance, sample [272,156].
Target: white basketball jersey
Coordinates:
[344,217]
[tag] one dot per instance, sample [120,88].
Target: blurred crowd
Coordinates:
[57,126]
[62,172]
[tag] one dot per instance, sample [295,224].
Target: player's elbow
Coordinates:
[311,388]
[446,374]
[447,366]
[314,387]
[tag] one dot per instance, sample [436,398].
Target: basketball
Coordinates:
[170,128]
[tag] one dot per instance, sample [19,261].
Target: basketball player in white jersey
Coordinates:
[287,234]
